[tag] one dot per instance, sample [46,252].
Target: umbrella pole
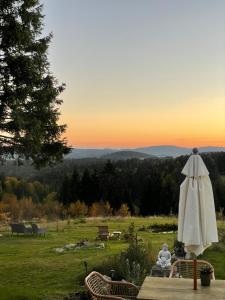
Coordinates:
[195,273]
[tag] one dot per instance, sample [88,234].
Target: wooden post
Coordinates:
[195,273]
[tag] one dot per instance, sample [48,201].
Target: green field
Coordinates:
[31,269]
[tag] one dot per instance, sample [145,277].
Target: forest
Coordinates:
[99,187]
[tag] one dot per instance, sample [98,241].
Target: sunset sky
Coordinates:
[140,72]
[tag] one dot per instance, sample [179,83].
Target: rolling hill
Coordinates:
[125,154]
[159,151]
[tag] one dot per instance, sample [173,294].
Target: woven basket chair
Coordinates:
[184,268]
[101,288]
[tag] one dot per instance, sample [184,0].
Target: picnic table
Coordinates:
[154,288]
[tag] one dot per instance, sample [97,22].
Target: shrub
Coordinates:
[100,209]
[163,227]
[179,250]
[130,234]
[4,217]
[94,210]
[222,236]
[142,228]
[107,209]
[220,246]
[52,209]
[123,211]
[28,209]
[133,264]
[10,206]
[220,214]
[77,209]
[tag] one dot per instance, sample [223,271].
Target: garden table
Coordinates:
[154,288]
[116,234]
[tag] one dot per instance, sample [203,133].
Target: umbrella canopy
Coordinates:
[196,220]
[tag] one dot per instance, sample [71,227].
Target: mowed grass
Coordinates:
[31,269]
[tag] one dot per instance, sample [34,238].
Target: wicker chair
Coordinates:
[101,288]
[184,268]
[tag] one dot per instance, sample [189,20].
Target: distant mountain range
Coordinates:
[126,154]
[141,153]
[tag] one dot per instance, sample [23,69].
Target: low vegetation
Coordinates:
[31,269]
[156,227]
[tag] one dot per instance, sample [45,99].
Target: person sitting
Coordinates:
[164,257]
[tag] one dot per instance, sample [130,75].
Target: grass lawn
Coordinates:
[31,269]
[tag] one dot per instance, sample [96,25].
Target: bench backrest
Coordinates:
[18,228]
[103,229]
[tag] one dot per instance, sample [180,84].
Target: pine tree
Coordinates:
[74,186]
[29,93]
[65,191]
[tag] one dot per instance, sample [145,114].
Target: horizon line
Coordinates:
[147,146]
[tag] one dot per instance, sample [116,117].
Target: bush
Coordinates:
[77,209]
[27,208]
[221,236]
[130,234]
[220,214]
[142,228]
[123,211]
[163,227]
[100,209]
[107,209]
[179,250]
[133,264]
[10,206]
[220,246]
[51,209]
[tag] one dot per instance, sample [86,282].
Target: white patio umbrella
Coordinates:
[196,219]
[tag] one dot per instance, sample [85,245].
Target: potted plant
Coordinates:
[206,275]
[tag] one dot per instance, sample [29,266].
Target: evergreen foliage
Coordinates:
[29,93]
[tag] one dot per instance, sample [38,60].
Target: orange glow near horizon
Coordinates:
[183,126]
[139,73]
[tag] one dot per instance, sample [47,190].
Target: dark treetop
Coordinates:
[29,103]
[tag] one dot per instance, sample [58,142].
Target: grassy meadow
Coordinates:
[31,269]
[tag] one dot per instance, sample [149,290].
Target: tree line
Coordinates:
[148,187]
[98,187]
[22,200]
